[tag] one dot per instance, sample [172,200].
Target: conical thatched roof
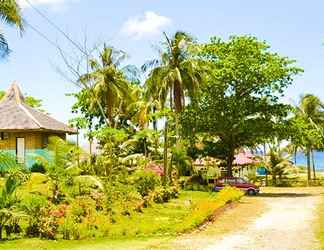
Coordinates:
[16,115]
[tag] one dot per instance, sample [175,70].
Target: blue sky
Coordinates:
[292,28]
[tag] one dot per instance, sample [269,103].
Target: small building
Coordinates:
[24,131]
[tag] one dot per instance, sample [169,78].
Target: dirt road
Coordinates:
[285,223]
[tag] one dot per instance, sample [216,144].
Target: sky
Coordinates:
[292,28]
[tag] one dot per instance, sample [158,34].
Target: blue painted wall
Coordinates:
[31,155]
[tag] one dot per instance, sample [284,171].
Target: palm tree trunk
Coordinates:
[110,109]
[295,155]
[165,153]
[78,155]
[154,120]
[145,151]
[274,180]
[308,165]
[313,164]
[177,96]
[90,146]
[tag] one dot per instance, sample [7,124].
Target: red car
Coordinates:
[237,182]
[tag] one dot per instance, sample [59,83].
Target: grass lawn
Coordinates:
[157,224]
[95,244]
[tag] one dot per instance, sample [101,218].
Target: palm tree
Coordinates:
[175,73]
[277,164]
[9,14]
[311,111]
[109,84]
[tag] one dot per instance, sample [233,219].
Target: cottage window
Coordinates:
[4,136]
[45,141]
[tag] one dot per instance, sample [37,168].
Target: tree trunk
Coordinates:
[313,164]
[110,109]
[229,163]
[144,144]
[90,146]
[295,155]
[177,96]
[1,232]
[274,180]
[308,165]
[78,156]
[154,120]
[170,168]
[165,153]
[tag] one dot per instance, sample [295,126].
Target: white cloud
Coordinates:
[149,24]
[25,4]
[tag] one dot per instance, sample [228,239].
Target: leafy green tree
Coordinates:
[9,14]
[240,103]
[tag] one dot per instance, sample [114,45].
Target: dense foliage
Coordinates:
[10,14]
[240,103]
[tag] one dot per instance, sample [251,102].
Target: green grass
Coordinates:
[95,244]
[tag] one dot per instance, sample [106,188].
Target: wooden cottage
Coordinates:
[24,131]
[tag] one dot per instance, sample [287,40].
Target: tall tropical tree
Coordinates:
[109,84]
[310,117]
[277,164]
[175,74]
[239,102]
[10,14]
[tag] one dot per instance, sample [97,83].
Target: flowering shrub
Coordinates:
[48,224]
[205,208]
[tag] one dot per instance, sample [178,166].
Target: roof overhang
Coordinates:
[71,132]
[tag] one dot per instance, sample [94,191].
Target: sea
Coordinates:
[318,157]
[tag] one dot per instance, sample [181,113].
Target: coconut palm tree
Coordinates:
[9,14]
[311,111]
[109,83]
[175,73]
[277,164]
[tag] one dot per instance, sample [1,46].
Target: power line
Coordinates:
[56,27]
[42,35]
[57,47]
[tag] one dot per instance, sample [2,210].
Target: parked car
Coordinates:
[237,182]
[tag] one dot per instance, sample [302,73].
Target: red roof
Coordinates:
[244,158]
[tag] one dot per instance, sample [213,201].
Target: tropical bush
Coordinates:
[145,181]
[38,168]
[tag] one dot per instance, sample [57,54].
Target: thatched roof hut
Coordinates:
[24,131]
[16,115]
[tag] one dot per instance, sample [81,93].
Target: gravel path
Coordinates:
[286,225]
